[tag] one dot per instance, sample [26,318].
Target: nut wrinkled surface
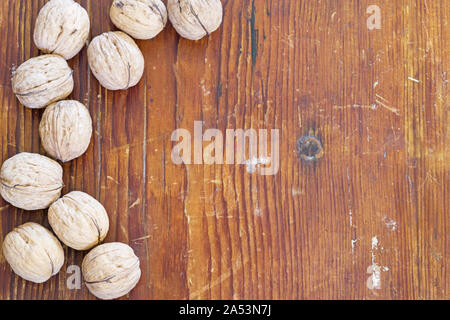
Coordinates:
[79,220]
[111,270]
[66,130]
[33,252]
[42,80]
[141,19]
[62,27]
[115,60]
[194,19]
[30,181]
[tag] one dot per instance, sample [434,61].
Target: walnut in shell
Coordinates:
[141,19]
[33,252]
[66,130]
[42,80]
[194,19]
[111,270]
[62,27]
[79,221]
[30,181]
[115,60]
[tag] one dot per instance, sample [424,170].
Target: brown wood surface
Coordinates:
[376,99]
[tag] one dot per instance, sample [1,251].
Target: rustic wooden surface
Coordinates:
[379,196]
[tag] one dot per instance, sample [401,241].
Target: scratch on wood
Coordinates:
[384,105]
[297,192]
[350,213]
[99,149]
[356,106]
[390,223]
[374,281]
[141,239]
[137,202]
[436,256]
[112,179]
[164,168]
[254,34]
[215,181]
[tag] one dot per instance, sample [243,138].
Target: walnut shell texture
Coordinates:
[111,270]
[195,19]
[115,60]
[30,181]
[42,80]
[66,130]
[62,27]
[33,252]
[79,220]
[141,19]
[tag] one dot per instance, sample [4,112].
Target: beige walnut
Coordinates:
[141,19]
[194,19]
[62,27]
[30,181]
[111,270]
[115,60]
[33,252]
[79,221]
[66,130]
[42,80]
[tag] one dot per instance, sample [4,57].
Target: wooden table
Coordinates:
[369,219]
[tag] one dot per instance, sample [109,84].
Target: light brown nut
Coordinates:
[115,60]
[62,27]
[30,181]
[42,80]
[66,130]
[33,252]
[194,19]
[141,19]
[111,270]
[79,221]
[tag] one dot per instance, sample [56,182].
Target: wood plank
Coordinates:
[376,203]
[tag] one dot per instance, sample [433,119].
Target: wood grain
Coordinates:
[377,100]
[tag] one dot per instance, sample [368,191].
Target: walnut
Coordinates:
[141,19]
[33,252]
[42,80]
[115,60]
[194,19]
[31,181]
[111,270]
[80,221]
[66,130]
[62,27]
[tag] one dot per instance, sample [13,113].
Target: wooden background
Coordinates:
[378,197]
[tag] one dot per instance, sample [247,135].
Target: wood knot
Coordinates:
[310,148]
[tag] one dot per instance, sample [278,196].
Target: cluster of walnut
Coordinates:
[115,59]
[35,182]
[144,19]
